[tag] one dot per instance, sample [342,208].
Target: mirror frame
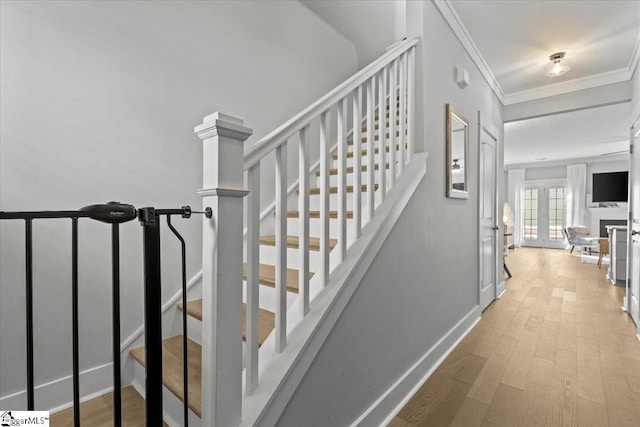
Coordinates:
[452,192]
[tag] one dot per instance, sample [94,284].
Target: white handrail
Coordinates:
[302,119]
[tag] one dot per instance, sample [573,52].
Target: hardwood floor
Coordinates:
[98,412]
[555,350]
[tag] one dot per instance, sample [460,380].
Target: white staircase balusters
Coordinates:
[402,111]
[411,101]
[370,148]
[303,221]
[357,161]
[223,139]
[252,290]
[324,198]
[342,177]
[382,131]
[281,247]
[391,110]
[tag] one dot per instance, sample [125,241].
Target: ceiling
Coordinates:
[515,38]
[511,41]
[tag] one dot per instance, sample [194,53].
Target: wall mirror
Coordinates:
[457,134]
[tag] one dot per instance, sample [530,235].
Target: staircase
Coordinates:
[366,144]
[172,347]
[299,254]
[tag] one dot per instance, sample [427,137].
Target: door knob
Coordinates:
[634,232]
[496,228]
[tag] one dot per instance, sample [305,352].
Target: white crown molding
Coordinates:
[455,23]
[564,162]
[457,26]
[588,82]
[635,56]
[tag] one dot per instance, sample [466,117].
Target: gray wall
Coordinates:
[99,101]
[546,172]
[425,278]
[371,29]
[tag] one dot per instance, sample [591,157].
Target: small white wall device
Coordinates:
[462,77]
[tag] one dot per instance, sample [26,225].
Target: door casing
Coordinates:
[633,241]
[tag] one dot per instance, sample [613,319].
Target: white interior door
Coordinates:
[633,290]
[487,219]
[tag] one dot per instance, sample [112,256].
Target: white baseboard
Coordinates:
[57,395]
[383,410]
[501,289]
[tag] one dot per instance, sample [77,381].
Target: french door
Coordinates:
[544,214]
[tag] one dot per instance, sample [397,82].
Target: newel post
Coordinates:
[223,139]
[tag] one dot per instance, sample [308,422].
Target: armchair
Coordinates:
[579,236]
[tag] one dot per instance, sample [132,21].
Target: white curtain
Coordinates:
[576,191]
[515,179]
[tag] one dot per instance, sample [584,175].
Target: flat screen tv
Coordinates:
[610,187]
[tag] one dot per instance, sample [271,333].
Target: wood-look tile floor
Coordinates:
[555,350]
[98,412]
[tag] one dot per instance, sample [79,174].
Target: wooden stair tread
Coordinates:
[266,319]
[316,214]
[363,168]
[377,126]
[172,374]
[98,412]
[293,242]
[267,275]
[376,137]
[364,152]
[334,190]
[194,308]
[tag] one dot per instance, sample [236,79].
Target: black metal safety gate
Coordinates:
[115,213]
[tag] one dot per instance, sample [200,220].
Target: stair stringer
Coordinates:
[281,373]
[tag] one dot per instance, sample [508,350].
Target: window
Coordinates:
[531,213]
[557,213]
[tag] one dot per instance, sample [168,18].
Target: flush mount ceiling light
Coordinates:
[558,65]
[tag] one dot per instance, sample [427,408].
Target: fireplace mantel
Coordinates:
[596,214]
